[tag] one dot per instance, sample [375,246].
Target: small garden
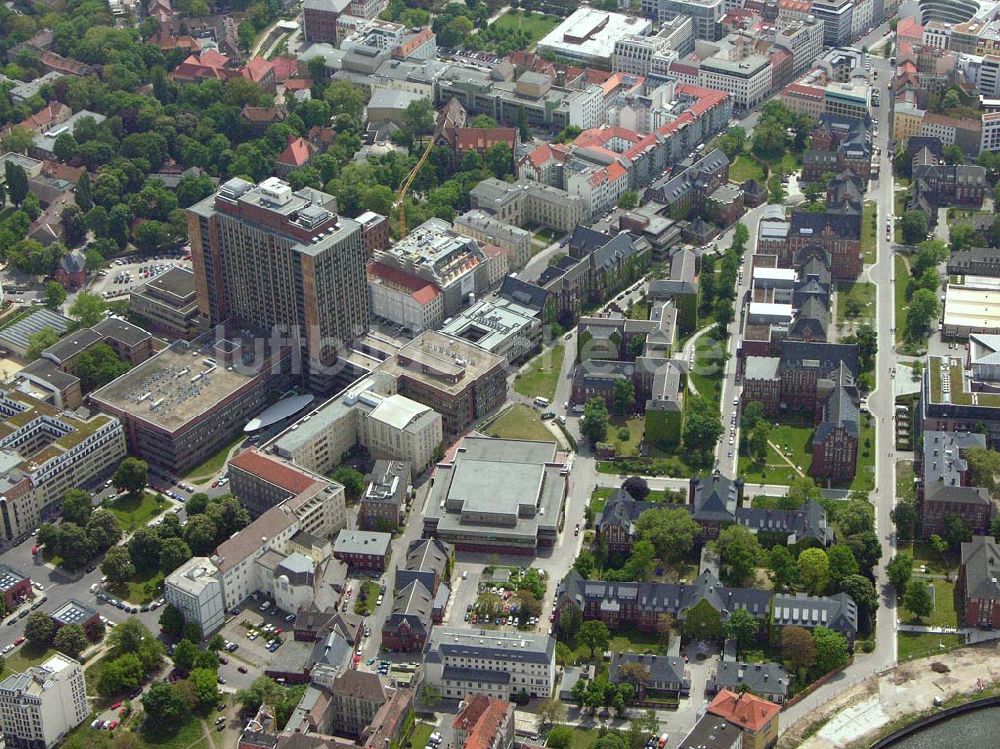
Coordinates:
[368,593]
[541,375]
[519,422]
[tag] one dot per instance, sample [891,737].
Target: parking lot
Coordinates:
[120,277]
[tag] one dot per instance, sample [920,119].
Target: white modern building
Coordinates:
[747,79]
[194,589]
[990,140]
[462,662]
[588,36]
[40,706]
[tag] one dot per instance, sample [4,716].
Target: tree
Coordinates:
[75,546]
[702,622]
[917,598]
[702,428]
[88,309]
[131,475]
[952,153]
[939,544]
[856,515]
[419,117]
[200,535]
[430,695]
[922,312]
[82,194]
[594,424]
[71,640]
[671,530]
[16,181]
[262,690]
[173,553]
[498,159]
[781,566]
[814,570]
[914,225]
[741,235]
[38,342]
[94,630]
[205,683]
[584,564]
[120,674]
[144,548]
[636,487]
[984,468]
[569,622]
[551,712]
[899,570]
[117,565]
[860,588]
[77,506]
[99,365]
[39,629]
[628,200]
[197,503]
[482,121]
[55,294]
[184,655]
[172,621]
[742,627]
[842,563]
[639,565]
[757,442]
[560,737]
[956,531]
[163,707]
[904,516]
[594,634]
[831,649]
[353,481]
[739,552]
[797,648]
[623,396]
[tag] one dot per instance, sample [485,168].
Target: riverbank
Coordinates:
[885,703]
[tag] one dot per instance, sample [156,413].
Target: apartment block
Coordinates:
[462,662]
[169,304]
[39,707]
[194,590]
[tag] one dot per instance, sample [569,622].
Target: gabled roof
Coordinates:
[981,563]
[745,710]
[296,153]
[715,498]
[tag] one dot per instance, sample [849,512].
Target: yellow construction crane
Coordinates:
[405,187]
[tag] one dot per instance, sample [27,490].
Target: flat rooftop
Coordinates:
[445,362]
[949,383]
[973,306]
[176,385]
[589,32]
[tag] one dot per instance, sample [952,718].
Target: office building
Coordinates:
[45,452]
[705,14]
[194,590]
[463,662]
[486,229]
[945,489]
[169,304]
[39,707]
[319,19]
[465,510]
[273,259]
[386,489]
[588,36]
[748,80]
[499,326]
[183,404]
[457,379]
[370,413]
[363,550]
[837,17]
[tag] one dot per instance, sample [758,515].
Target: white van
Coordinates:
[541,402]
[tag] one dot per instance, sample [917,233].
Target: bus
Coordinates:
[541,402]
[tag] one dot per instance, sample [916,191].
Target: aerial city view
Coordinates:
[499,374]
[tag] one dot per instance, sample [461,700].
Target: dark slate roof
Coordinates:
[826,357]
[841,409]
[811,320]
[715,498]
[665,669]
[760,678]
[808,521]
[411,607]
[981,562]
[842,225]
[620,248]
[837,612]
[74,262]
[621,510]
[586,240]
[987,260]
[812,253]
[523,292]
[452,673]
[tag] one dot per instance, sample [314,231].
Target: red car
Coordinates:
[277,630]
[18,641]
[115,705]
[113,726]
[34,549]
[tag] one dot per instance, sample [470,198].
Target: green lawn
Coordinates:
[639,311]
[599,497]
[364,604]
[923,554]
[943,615]
[775,471]
[136,510]
[899,208]
[583,738]
[541,375]
[627,640]
[191,735]
[520,422]
[747,167]
[864,478]
[905,488]
[902,273]
[142,589]
[788,163]
[420,734]
[869,230]
[207,471]
[536,25]
[709,364]
[22,658]
[856,297]
[920,644]
[636,430]
[793,440]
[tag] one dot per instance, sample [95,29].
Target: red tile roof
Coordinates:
[257,69]
[284,68]
[298,84]
[273,471]
[481,138]
[422,291]
[406,48]
[296,153]
[481,718]
[747,711]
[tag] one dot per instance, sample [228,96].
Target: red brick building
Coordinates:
[319,19]
[978,586]
[15,586]
[363,549]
